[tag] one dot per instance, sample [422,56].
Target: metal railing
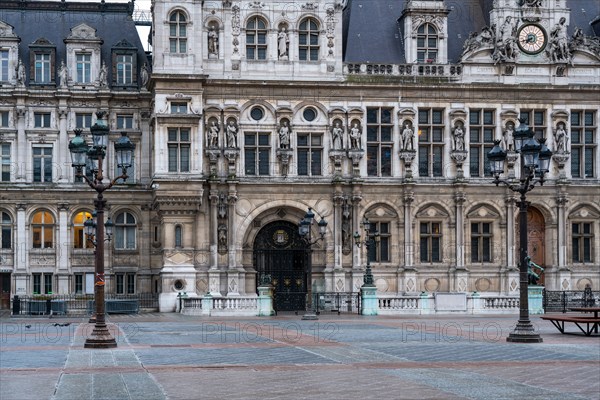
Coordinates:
[562,300]
[71,304]
[337,302]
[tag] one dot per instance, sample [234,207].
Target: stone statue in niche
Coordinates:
[558,44]
[337,133]
[213,41]
[284,135]
[213,134]
[282,43]
[560,138]
[508,141]
[222,237]
[144,75]
[21,73]
[102,76]
[232,131]
[458,136]
[407,137]
[355,136]
[506,44]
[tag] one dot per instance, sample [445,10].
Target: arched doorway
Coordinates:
[280,257]
[536,228]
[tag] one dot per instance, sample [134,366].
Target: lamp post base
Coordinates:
[524,333]
[100,338]
[310,315]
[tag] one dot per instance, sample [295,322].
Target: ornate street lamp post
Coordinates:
[304,229]
[92,157]
[535,160]
[371,238]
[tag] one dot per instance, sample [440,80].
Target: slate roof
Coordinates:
[53,21]
[372,33]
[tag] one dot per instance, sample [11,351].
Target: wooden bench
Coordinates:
[590,323]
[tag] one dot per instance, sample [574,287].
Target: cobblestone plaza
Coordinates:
[170,356]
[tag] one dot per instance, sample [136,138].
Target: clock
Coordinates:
[532,38]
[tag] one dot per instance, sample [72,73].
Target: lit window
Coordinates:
[79,239]
[42,227]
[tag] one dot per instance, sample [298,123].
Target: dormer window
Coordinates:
[124,64]
[427,43]
[42,61]
[84,67]
[42,68]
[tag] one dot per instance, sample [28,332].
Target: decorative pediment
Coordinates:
[7,31]
[83,32]
[435,20]
[381,212]
[584,212]
[509,115]
[482,212]
[409,113]
[42,42]
[124,45]
[432,211]
[560,115]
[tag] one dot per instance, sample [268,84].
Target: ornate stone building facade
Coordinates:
[60,62]
[378,109]
[257,111]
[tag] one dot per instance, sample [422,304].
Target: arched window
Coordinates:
[42,226]
[6,230]
[178,32]
[427,44]
[178,236]
[256,39]
[308,40]
[79,239]
[125,228]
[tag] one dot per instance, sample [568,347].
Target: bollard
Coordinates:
[16,305]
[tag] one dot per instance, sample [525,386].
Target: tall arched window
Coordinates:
[42,227]
[79,239]
[125,227]
[178,236]
[256,39]
[427,43]
[6,230]
[178,32]
[308,40]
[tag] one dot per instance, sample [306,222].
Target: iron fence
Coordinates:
[81,304]
[337,302]
[562,301]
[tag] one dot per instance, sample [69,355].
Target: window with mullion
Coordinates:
[536,119]
[42,164]
[6,230]
[583,144]
[3,65]
[42,68]
[177,33]
[582,242]
[430,237]
[42,226]
[308,40]
[6,163]
[380,252]
[124,69]
[84,67]
[310,154]
[257,153]
[125,228]
[379,141]
[256,39]
[83,120]
[481,242]
[124,121]
[481,141]
[178,148]
[431,142]
[427,43]
[42,120]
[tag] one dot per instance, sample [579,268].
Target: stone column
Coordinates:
[21,150]
[357,273]
[63,146]
[235,276]
[63,261]
[21,258]
[460,274]
[511,276]
[214,276]
[338,282]
[409,284]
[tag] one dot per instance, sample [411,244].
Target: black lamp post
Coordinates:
[304,229]
[92,157]
[535,160]
[371,238]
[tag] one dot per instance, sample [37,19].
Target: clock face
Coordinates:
[532,39]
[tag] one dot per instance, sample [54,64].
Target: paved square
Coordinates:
[171,356]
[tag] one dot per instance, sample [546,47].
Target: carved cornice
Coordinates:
[178,204]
